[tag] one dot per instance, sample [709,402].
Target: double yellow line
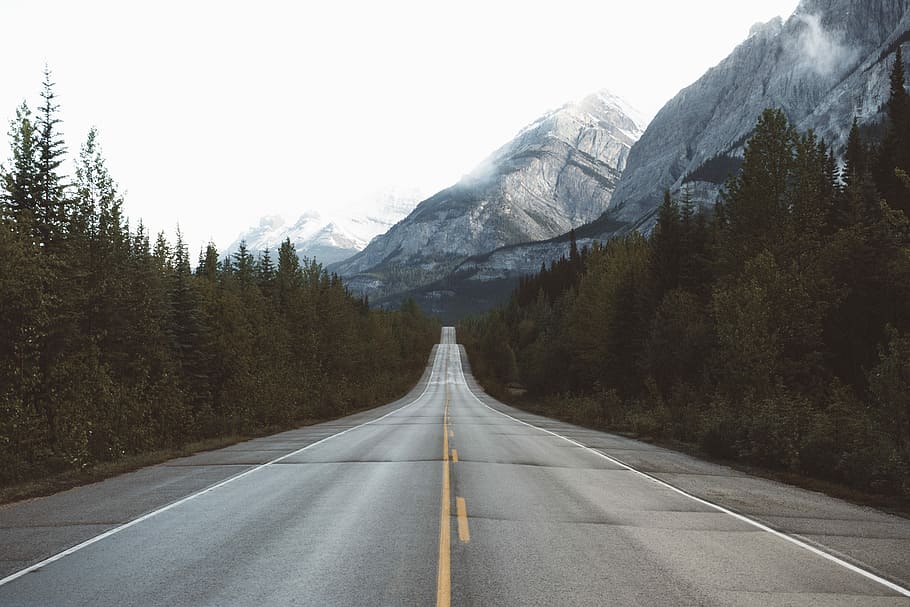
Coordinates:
[444,574]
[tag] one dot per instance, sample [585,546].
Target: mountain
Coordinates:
[827,63]
[333,238]
[557,173]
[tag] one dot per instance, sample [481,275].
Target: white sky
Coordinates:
[212,114]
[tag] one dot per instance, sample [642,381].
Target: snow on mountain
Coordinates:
[333,237]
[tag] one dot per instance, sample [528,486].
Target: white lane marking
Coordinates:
[145,517]
[745,519]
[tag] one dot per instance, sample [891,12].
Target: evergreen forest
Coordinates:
[773,329]
[113,343]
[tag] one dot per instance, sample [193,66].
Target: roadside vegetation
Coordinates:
[112,345]
[773,330]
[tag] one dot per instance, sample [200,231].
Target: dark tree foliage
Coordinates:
[111,345]
[894,152]
[716,170]
[774,330]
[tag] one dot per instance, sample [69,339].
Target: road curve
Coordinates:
[447,497]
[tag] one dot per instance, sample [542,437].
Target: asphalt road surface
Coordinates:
[447,497]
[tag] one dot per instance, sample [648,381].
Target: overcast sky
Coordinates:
[212,114]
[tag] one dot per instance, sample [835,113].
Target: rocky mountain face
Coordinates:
[826,64]
[556,174]
[335,237]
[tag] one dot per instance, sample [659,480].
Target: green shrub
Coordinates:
[720,431]
[774,428]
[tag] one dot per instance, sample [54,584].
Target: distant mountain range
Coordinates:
[558,173]
[330,238]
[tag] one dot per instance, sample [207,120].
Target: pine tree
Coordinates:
[898,101]
[98,204]
[51,212]
[695,268]
[266,272]
[288,278]
[757,201]
[810,196]
[243,265]
[189,330]
[208,263]
[666,247]
[858,201]
[687,237]
[855,173]
[20,191]
[832,171]
[573,248]
[23,325]
[894,152]
[162,255]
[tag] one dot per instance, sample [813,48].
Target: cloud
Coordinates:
[821,51]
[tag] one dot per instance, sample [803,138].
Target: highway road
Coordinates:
[447,497]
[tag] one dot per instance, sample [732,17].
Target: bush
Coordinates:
[774,427]
[819,454]
[612,409]
[889,384]
[650,419]
[685,403]
[584,410]
[720,432]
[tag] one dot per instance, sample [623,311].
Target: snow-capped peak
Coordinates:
[331,237]
[606,99]
[592,109]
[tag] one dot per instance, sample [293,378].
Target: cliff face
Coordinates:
[828,62]
[556,174]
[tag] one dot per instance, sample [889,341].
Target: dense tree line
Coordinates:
[774,329]
[111,344]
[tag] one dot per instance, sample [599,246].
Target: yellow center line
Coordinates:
[463,533]
[444,573]
[455,456]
